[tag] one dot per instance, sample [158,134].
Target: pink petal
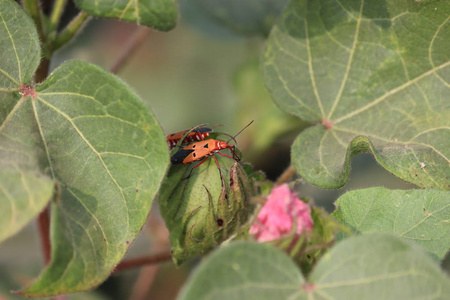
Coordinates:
[276,217]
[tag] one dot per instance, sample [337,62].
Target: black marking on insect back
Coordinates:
[178,157]
[194,155]
[206,146]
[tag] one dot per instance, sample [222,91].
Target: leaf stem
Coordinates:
[317,247]
[146,260]
[33,9]
[143,282]
[70,31]
[130,47]
[42,70]
[57,11]
[44,230]
[287,174]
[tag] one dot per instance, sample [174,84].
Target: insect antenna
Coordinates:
[233,137]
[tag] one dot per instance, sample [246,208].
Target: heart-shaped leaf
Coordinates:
[377,266]
[250,17]
[159,14]
[244,270]
[372,76]
[91,134]
[24,191]
[108,155]
[373,266]
[19,46]
[419,215]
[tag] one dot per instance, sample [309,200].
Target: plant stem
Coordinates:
[33,9]
[146,260]
[318,246]
[55,17]
[130,47]
[287,174]
[42,70]
[44,230]
[70,31]
[143,282]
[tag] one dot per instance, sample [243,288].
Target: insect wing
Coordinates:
[180,156]
[200,150]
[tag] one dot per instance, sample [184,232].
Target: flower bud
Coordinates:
[203,207]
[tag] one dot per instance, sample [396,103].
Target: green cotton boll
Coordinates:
[202,209]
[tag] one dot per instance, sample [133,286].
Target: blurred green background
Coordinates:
[201,72]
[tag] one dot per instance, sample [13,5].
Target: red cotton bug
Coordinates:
[203,150]
[192,135]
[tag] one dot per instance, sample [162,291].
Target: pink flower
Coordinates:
[276,218]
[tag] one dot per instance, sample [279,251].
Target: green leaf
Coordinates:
[19,46]
[22,196]
[159,14]
[378,266]
[250,17]
[24,191]
[373,77]
[372,266]
[422,216]
[244,270]
[106,151]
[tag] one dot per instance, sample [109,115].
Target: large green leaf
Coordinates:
[372,76]
[24,191]
[373,266]
[419,215]
[378,266]
[159,14]
[106,151]
[250,17]
[244,271]
[19,46]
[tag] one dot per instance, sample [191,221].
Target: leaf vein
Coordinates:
[349,63]
[390,93]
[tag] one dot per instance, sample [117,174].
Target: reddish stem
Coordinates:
[44,230]
[146,260]
[286,176]
[130,47]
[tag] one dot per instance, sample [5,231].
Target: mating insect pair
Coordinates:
[202,149]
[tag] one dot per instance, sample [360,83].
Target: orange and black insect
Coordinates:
[196,134]
[203,150]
